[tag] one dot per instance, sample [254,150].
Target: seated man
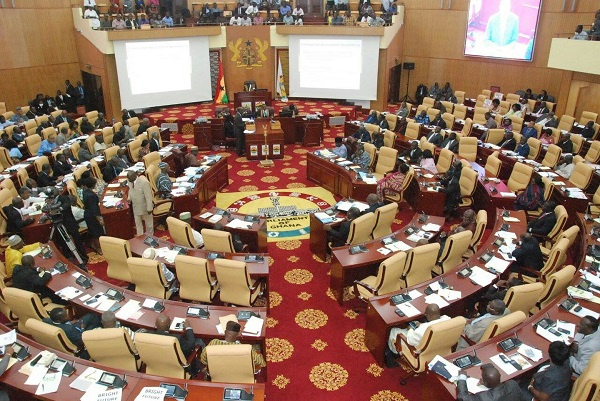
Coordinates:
[100,121]
[29,278]
[439,122]
[529,131]
[413,153]
[422,118]
[476,327]
[191,158]
[187,341]
[86,127]
[373,202]
[523,147]
[490,122]
[413,334]
[490,378]
[109,321]
[14,252]
[47,145]
[339,235]
[588,131]
[340,149]
[29,200]
[361,158]
[61,166]
[587,342]
[508,142]
[544,223]
[553,381]
[450,143]
[547,120]
[73,329]
[122,160]
[45,178]
[362,134]
[150,253]
[14,216]
[232,332]
[565,143]
[528,254]
[565,169]
[111,170]
[99,145]
[436,137]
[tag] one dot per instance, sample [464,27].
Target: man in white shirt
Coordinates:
[298,11]
[565,169]
[92,15]
[28,200]
[252,9]
[235,20]
[247,21]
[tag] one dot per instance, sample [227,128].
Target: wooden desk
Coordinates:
[136,381]
[252,97]
[255,237]
[345,268]
[381,316]
[203,136]
[256,142]
[420,198]
[256,269]
[203,328]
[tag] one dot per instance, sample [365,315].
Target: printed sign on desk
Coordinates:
[253,150]
[276,149]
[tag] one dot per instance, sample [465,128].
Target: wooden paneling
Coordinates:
[40,3]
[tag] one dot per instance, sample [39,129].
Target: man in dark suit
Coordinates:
[60,318]
[373,202]
[44,179]
[414,153]
[144,125]
[541,109]
[154,144]
[127,114]
[238,129]
[528,254]
[62,166]
[508,142]
[438,121]
[63,118]
[27,277]
[543,224]
[14,216]
[70,89]
[490,378]
[338,236]
[565,143]
[62,101]
[436,136]
[588,131]
[122,160]
[187,341]
[111,170]
[450,143]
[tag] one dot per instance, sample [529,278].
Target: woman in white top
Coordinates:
[427,161]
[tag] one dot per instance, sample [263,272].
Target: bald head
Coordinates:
[490,376]
[372,199]
[432,312]
[163,322]
[496,307]
[27,261]
[109,320]
[131,176]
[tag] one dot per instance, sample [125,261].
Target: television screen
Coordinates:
[503,29]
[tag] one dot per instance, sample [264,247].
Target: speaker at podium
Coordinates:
[249,86]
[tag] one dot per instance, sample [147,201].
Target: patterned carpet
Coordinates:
[315,348]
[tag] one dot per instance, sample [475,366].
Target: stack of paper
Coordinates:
[450,367]
[481,277]
[398,246]
[474,387]
[49,384]
[368,180]
[506,235]
[431,227]
[206,215]
[551,336]
[237,223]
[253,326]
[345,205]
[436,299]
[68,293]
[509,219]
[215,218]
[324,217]
[223,322]
[508,195]
[408,309]
[497,264]
[449,295]
[128,310]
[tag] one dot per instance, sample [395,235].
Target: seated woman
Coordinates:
[392,183]
[532,197]
[427,161]
[144,149]
[546,137]
[495,106]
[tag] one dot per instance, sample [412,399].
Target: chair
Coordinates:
[111,152]
[513,98]
[487,93]
[92,116]
[445,160]
[39,163]
[593,153]
[384,217]
[449,107]
[162,355]
[455,247]
[398,197]
[22,177]
[116,252]
[460,111]
[467,148]
[75,147]
[561,220]
[439,338]
[504,107]
[535,147]
[588,116]
[520,177]
[4,308]
[95,169]
[148,277]
[78,172]
[495,136]
[420,262]
[237,287]
[46,132]
[386,281]
[8,184]
[361,229]
[90,142]
[113,348]
[587,386]
[371,150]
[566,123]
[503,324]
[428,101]
[570,234]
[108,134]
[556,258]
[195,281]
[134,123]
[5,159]
[424,145]
[468,184]
[412,130]
[230,364]
[517,124]
[51,336]
[432,113]
[26,305]
[460,97]
[556,284]
[449,119]
[594,206]
[578,141]
[582,176]
[33,143]
[217,241]
[523,297]
[151,158]
[133,150]
[392,120]
[479,115]
[389,139]
[386,161]
[181,232]
[480,226]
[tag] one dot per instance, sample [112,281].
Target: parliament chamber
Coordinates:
[200,185]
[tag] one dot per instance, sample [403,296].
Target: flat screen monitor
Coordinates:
[503,29]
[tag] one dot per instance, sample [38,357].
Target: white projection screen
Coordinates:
[330,67]
[503,29]
[161,72]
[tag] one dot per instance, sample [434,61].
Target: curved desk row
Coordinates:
[381,315]
[440,389]
[136,381]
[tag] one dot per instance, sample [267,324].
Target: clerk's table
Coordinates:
[264,137]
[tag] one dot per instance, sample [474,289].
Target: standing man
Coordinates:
[140,196]
[238,130]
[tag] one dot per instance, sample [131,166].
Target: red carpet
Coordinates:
[315,348]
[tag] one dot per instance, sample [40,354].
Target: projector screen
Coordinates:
[163,72]
[333,67]
[502,29]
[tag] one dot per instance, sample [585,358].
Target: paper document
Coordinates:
[506,235]
[237,223]
[436,299]
[8,338]
[550,336]
[449,295]
[408,309]
[481,277]
[567,326]
[398,246]
[511,219]
[151,394]
[431,227]
[450,367]
[36,375]
[414,294]
[204,216]
[497,264]
[508,195]
[506,367]
[69,293]
[253,326]
[128,310]
[532,353]
[474,387]
[384,251]
[49,384]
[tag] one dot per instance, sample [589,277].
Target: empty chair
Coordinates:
[425,145]
[520,177]
[566,123]
[460,97]
[5,160]
[552,156]
[92,116]
[523,297]
[588,116]
[479,115]
[480,226]
[112,347]
[389,139]
[454,248]
[90,142]
[134,123]
[33,143]
[9,184]
[593,153]
[230,364]
[535,147]
[22,177]
[460,112]
[467,128]
[386,161]
[386,281]
[384,217]
[148,277]
[467,148]
[438,339]
[512,98]
[237,287]
[582,175]
[420,262]
[361,229]
[116,251]
[578,141]
[412,130]
[557,283]
[217,241]
[181,233]
[26,305]
[503,324]
[51,336]
[391,119]
[449,107]
[493,165]
[162,355]
[587,386]
[445,160]
[4,308]
[428,101]
[195,281]
[468,184]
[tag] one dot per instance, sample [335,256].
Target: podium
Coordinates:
[249,99]
[258,146]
